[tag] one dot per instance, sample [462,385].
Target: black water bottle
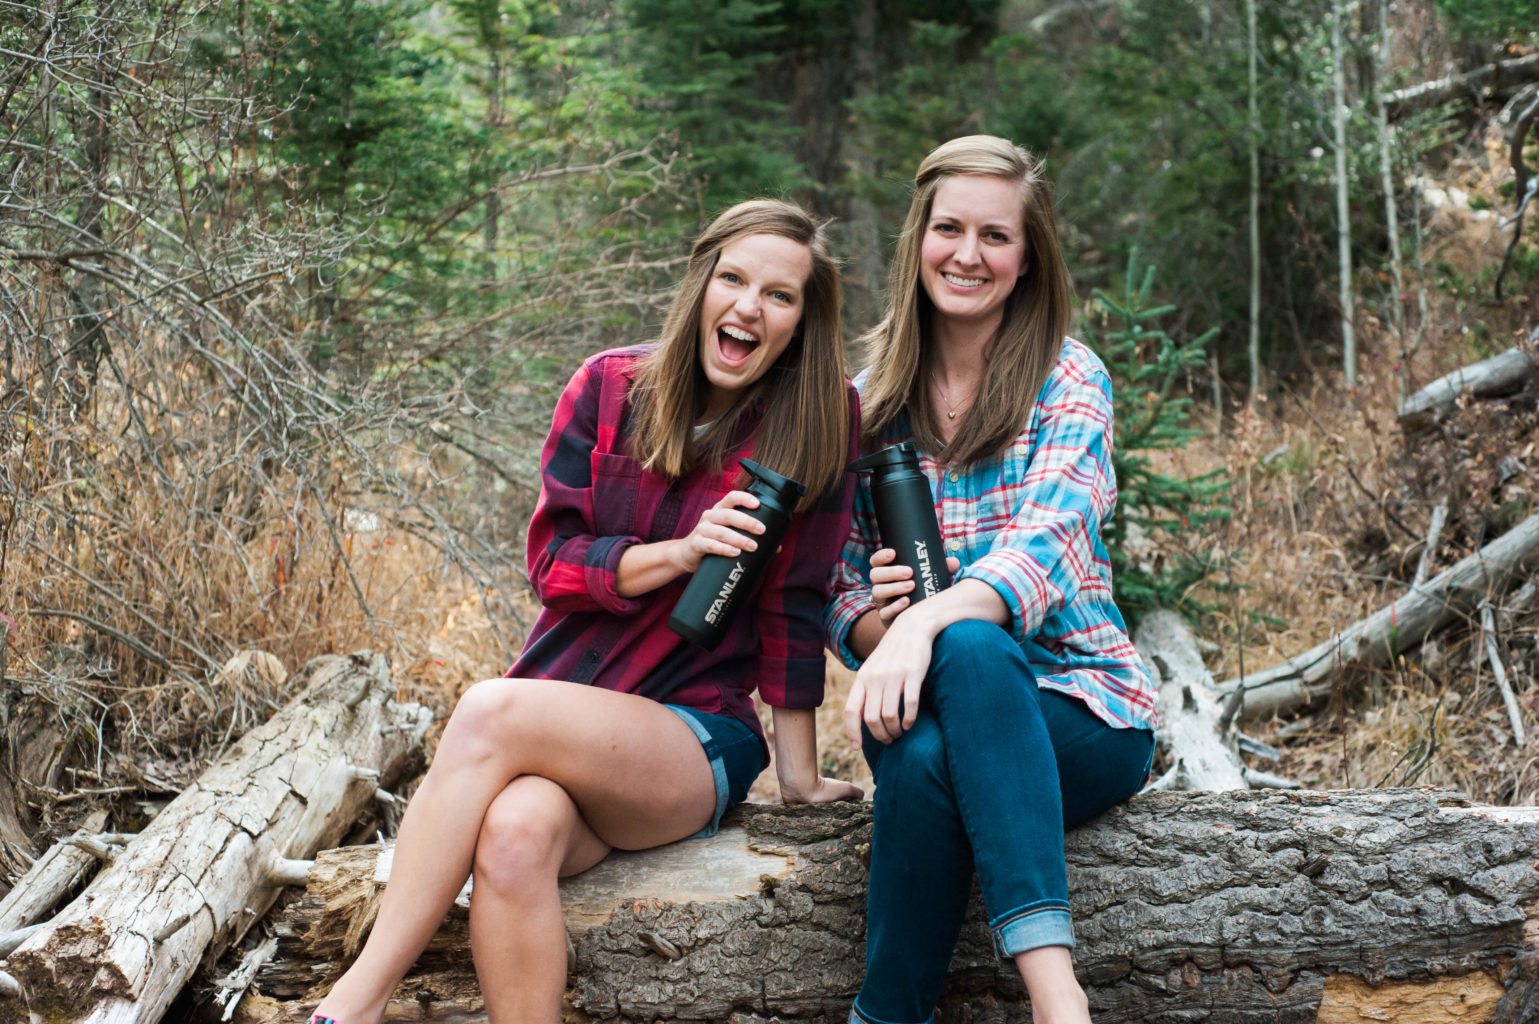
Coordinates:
[721,584]
[905,516]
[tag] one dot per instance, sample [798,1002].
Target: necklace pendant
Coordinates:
[951,415]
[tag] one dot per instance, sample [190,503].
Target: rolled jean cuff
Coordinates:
[857,1017]
[1033,928]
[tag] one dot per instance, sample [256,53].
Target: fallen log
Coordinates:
[1195,745]
[1244,906]
[1499,78]
[1399,627]
[1500,375]
[63,867]
[198,876]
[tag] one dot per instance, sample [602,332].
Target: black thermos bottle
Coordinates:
[721,585]
[905,516]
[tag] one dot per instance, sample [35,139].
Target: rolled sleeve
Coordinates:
[570,568]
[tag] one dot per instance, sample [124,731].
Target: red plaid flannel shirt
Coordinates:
[596,501]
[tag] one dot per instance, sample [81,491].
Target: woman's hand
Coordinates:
[825,790]
[893,673]
[796,760]
[892,584]
[722,530]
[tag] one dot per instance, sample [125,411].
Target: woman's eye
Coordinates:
[729,277]
[998,236]
[781,296]
[944,229]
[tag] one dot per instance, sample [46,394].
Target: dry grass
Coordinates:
[153,525]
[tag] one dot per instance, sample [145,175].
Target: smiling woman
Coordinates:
[610,731]
[1000,710]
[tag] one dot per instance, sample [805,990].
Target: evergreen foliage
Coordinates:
[1156,512]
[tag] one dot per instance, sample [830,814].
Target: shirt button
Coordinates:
[1020,448]
[953,476]
[953,546]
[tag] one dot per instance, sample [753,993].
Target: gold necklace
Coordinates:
[945,396]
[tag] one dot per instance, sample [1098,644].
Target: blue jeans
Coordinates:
[988,778]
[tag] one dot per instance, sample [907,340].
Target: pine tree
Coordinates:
[1156,511]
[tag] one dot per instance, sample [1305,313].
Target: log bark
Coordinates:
[1401,626]
[1490,378]
[1195,745]
[1245,906]
[196,878]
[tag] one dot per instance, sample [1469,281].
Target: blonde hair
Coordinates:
[1026,345]
[805,431]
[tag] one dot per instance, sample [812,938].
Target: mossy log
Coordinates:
[1245,907]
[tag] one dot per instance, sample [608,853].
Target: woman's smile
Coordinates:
[750,313]
[974,247]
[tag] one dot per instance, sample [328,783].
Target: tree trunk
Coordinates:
[1387,183]
[1245,907]
[38,736]
[1343,213]
[200,874]
[1253,151]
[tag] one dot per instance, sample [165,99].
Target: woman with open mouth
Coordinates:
[998,711]
[610,731]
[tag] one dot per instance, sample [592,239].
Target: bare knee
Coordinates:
[484,721]
[523,838]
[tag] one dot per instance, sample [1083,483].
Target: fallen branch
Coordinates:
[1238,906]
[38,892]
[1496,77]
[1401,626]
[1499,672]
[1429,549]
[1490,378]
[197,877]
[1195,744]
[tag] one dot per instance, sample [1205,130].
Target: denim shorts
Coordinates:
[736,754]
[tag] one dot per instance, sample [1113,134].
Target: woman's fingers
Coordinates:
[890,584]
[888,612]
[737,499]
[731,519]
[892,708]
[911,685]
[854,708]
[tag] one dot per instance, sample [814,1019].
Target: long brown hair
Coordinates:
[805,431]
[1026,345]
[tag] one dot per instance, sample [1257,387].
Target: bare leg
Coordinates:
[532,834]
[1056,997]
[633,768]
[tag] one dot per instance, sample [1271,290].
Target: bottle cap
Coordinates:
[783,487]
[901,454]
